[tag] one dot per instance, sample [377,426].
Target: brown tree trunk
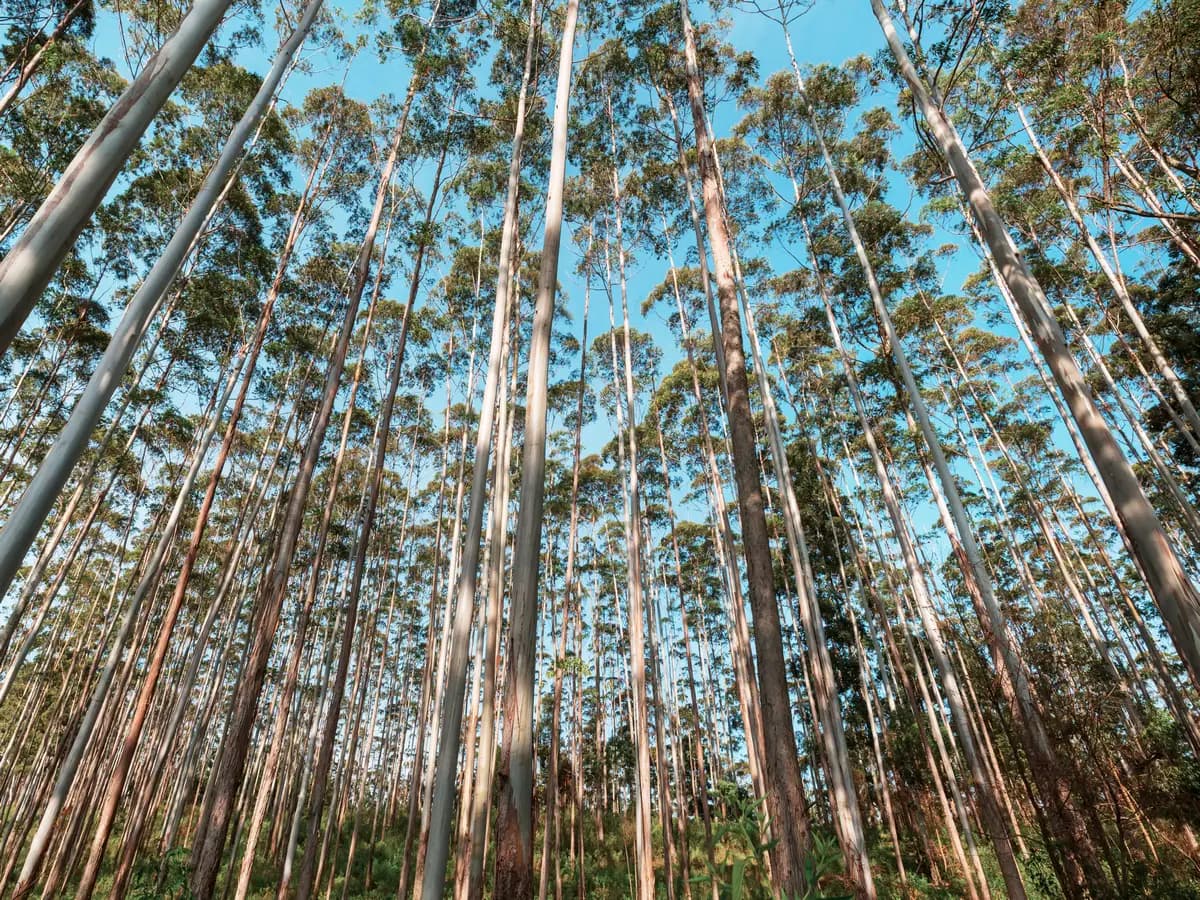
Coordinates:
[231,765]
[786,804]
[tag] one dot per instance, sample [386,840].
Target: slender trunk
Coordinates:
[569,591]
[498,519]
[786,804]
[440,812]
[33,260]
[473,763]
[231,765]
[31,65]
[1173,593]
[40,495]
[415,779]
[993,819]
[304,885]
[644,846]
[514,827]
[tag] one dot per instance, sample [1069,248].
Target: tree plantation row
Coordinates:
[583,449]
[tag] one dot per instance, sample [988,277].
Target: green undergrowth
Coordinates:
[735,870]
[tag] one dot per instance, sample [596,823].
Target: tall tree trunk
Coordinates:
[35,257]
[786,804]
[231,765]
[65,777]
[514,827]
[308,863]
[424,705]
[644,845]
[990,807]
[440,812]
[40,495]
[1173,593]
[570,590]
[481,807]
[66,516]
[30,65]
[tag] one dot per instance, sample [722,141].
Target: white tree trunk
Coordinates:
[441,812]
[1173,592]
[33,260]
[42,492]
[514,828]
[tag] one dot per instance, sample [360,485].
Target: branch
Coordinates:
[1136,211]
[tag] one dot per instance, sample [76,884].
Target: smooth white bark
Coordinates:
[37,254]
[42,492]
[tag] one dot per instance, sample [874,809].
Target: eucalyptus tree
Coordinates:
[33,259]
[612,199]
[514,826]
[1174,594]
[425,232]
[697,375]
[786,805]
[57,111]
[230,768]
[437,849]
[39,496]
[29,42]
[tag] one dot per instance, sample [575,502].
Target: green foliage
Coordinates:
[165,876]
[738,868]
[741,873]
[1127,763]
